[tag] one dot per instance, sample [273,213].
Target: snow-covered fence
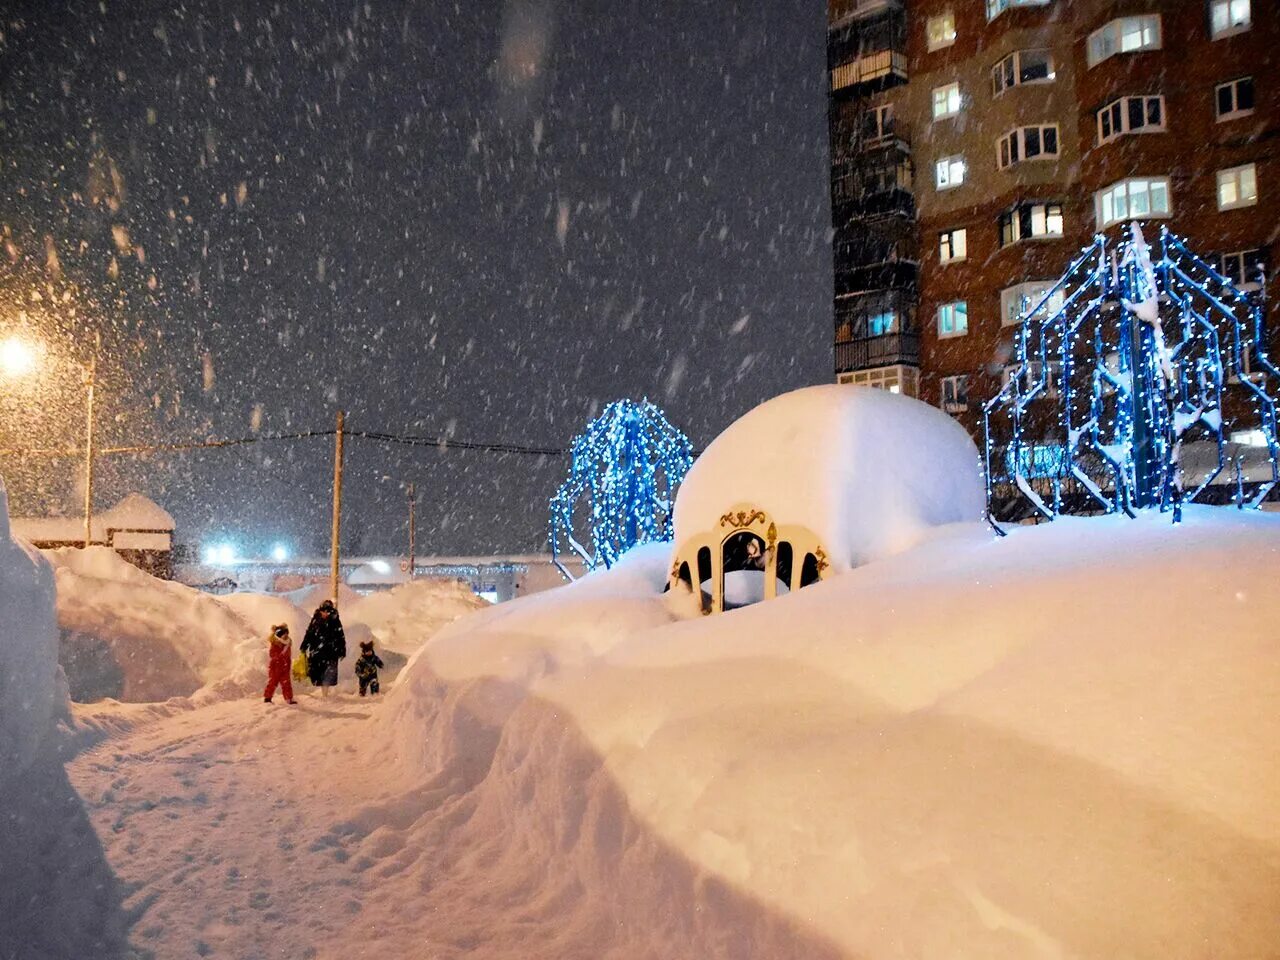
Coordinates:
[1121,365]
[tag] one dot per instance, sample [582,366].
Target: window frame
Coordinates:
[1018,135]
[959,390]
[1259,257]
[1241,201]
[1230,30]
[1151,214]
[945,41]
[951,95]
[1050,209]
[1237,111]
[1126,128]
[1014,59]
[957,308]
[950,161]
[1032,373]
[947,240]
[1114,31]
[996,7]
[1029,292]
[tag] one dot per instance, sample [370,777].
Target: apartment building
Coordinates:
[977,145]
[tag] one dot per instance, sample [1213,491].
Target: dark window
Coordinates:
[784,554]
[1050,140]
[1154,118]
[1136,116]
[809,570]
[1226,102]
[1244,94]
[1033,65]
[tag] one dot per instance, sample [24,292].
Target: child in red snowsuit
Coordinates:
[279,662]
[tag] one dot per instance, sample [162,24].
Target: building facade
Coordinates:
[978,145]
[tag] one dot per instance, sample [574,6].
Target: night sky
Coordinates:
[477,219]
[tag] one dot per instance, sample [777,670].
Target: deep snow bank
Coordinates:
[29,691]
[403,617]
[1059,744]
[130,636]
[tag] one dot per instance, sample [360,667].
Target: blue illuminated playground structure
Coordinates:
[620,491]
[1117,368]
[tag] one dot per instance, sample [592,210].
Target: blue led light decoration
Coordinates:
[620,491]
[1124,371]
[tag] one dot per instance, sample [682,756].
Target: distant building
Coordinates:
[978,145]
[496,578]
[136,528]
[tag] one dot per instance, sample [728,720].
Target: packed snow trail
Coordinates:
[245,829]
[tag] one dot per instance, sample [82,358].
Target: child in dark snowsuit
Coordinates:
[367,668]
[279,663]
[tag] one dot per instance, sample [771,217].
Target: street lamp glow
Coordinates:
[17,357]
[280,553]
[222,554]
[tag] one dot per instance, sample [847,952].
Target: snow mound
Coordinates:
[130,636]
[404,617]
[1056,744]
[29,690]
[869,472]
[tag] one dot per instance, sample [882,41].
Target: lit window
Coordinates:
[955,393]
[946,101]
[997,7]
[1125,35]
[1234,99]
[1244,268]
[953,319]
[940,31]
[1131,199]
[1023,297]
[950,172]
[1027,143]
[1131,115]
[1022,67]
[1030,221]
[953,245]
[1227,17]
[878,324]
[1238,187]
[895,379]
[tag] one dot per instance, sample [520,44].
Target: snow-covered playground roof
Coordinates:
[865,470]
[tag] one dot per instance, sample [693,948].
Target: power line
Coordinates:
[439,443]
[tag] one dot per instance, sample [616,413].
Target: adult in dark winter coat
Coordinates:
[325,644]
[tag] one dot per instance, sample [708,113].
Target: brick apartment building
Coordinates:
[977,145]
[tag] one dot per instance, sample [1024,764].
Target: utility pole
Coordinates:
[413,530]
[334,546]
[90,377]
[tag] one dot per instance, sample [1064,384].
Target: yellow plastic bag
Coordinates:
[300,667]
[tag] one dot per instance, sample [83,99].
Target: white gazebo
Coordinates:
[814,483]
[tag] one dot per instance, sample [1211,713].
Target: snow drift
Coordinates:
[1057,744]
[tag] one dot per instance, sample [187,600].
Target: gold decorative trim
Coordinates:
[742,518]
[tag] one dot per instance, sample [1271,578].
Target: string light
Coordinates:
[625,471]
[1127,389]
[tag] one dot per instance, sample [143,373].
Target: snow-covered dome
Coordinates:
[862,472]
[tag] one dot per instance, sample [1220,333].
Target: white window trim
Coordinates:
[954,333]
[1019,292]
[1022,145]
[946,41]
[1149,215]
[1016,57]
[951,112]
[1242,201]
[1237,113]
[954,259]
[905,378]
[1115,23]
[949,160]
[1032,374]
[1124,116]
[1024,237]
[1006,5]
[1230,31]
[1246,284]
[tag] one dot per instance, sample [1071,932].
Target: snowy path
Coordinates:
[218,823]
[243,830]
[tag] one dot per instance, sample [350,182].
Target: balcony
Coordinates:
[844,12]
[856,272]
[871,206]
[883,351]
[875,71]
